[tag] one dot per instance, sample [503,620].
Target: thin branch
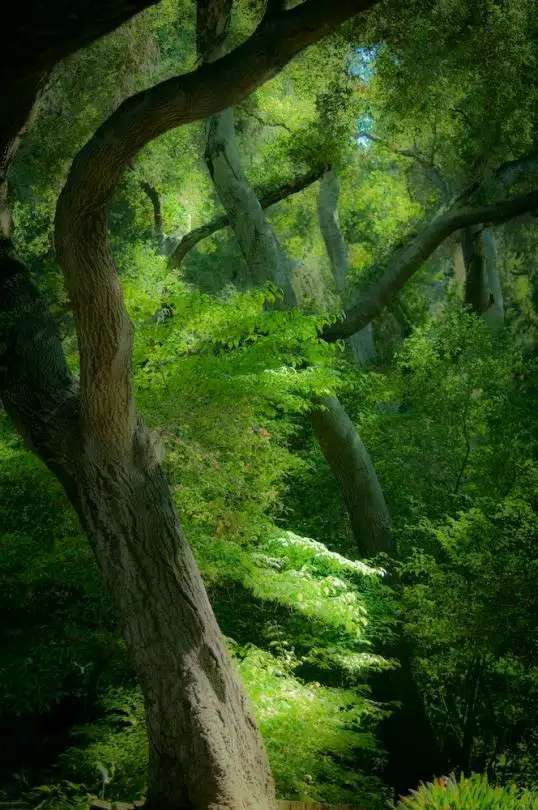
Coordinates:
[267,198]
[433,172]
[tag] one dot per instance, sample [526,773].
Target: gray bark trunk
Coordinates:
[257,241]
[345,453]
[361,344]
[350,462]
[483,290]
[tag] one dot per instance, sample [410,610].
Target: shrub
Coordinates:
[472,793]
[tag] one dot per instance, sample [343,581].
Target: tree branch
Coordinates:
[267,198]
[432,172]
[406,260]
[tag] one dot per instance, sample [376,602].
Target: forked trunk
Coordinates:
[204,747]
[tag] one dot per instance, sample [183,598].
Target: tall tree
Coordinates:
[205,749]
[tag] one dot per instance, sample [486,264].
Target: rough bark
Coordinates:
[401,265]
[266,198]
[483,290]
[205,749]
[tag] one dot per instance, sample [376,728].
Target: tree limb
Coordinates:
[432,172]
[406,260]
[267,198]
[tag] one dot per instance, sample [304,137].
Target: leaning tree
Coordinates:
[205,748]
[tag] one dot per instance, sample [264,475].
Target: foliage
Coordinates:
[476,649]
[468,794]
[226,379]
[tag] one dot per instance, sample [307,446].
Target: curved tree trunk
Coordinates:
[340,444]
[353,469]
[205,749]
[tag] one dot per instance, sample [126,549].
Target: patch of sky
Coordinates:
[362,67]
[363,62]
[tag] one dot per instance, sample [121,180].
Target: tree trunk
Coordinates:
[265,258]
[353,469]
[483,291]
[205,749]
[341,444]
[361,344]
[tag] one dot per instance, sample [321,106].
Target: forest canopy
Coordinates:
[268,374]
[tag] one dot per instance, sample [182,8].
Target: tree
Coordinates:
[204,745]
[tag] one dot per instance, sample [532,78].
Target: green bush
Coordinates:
[468,794]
